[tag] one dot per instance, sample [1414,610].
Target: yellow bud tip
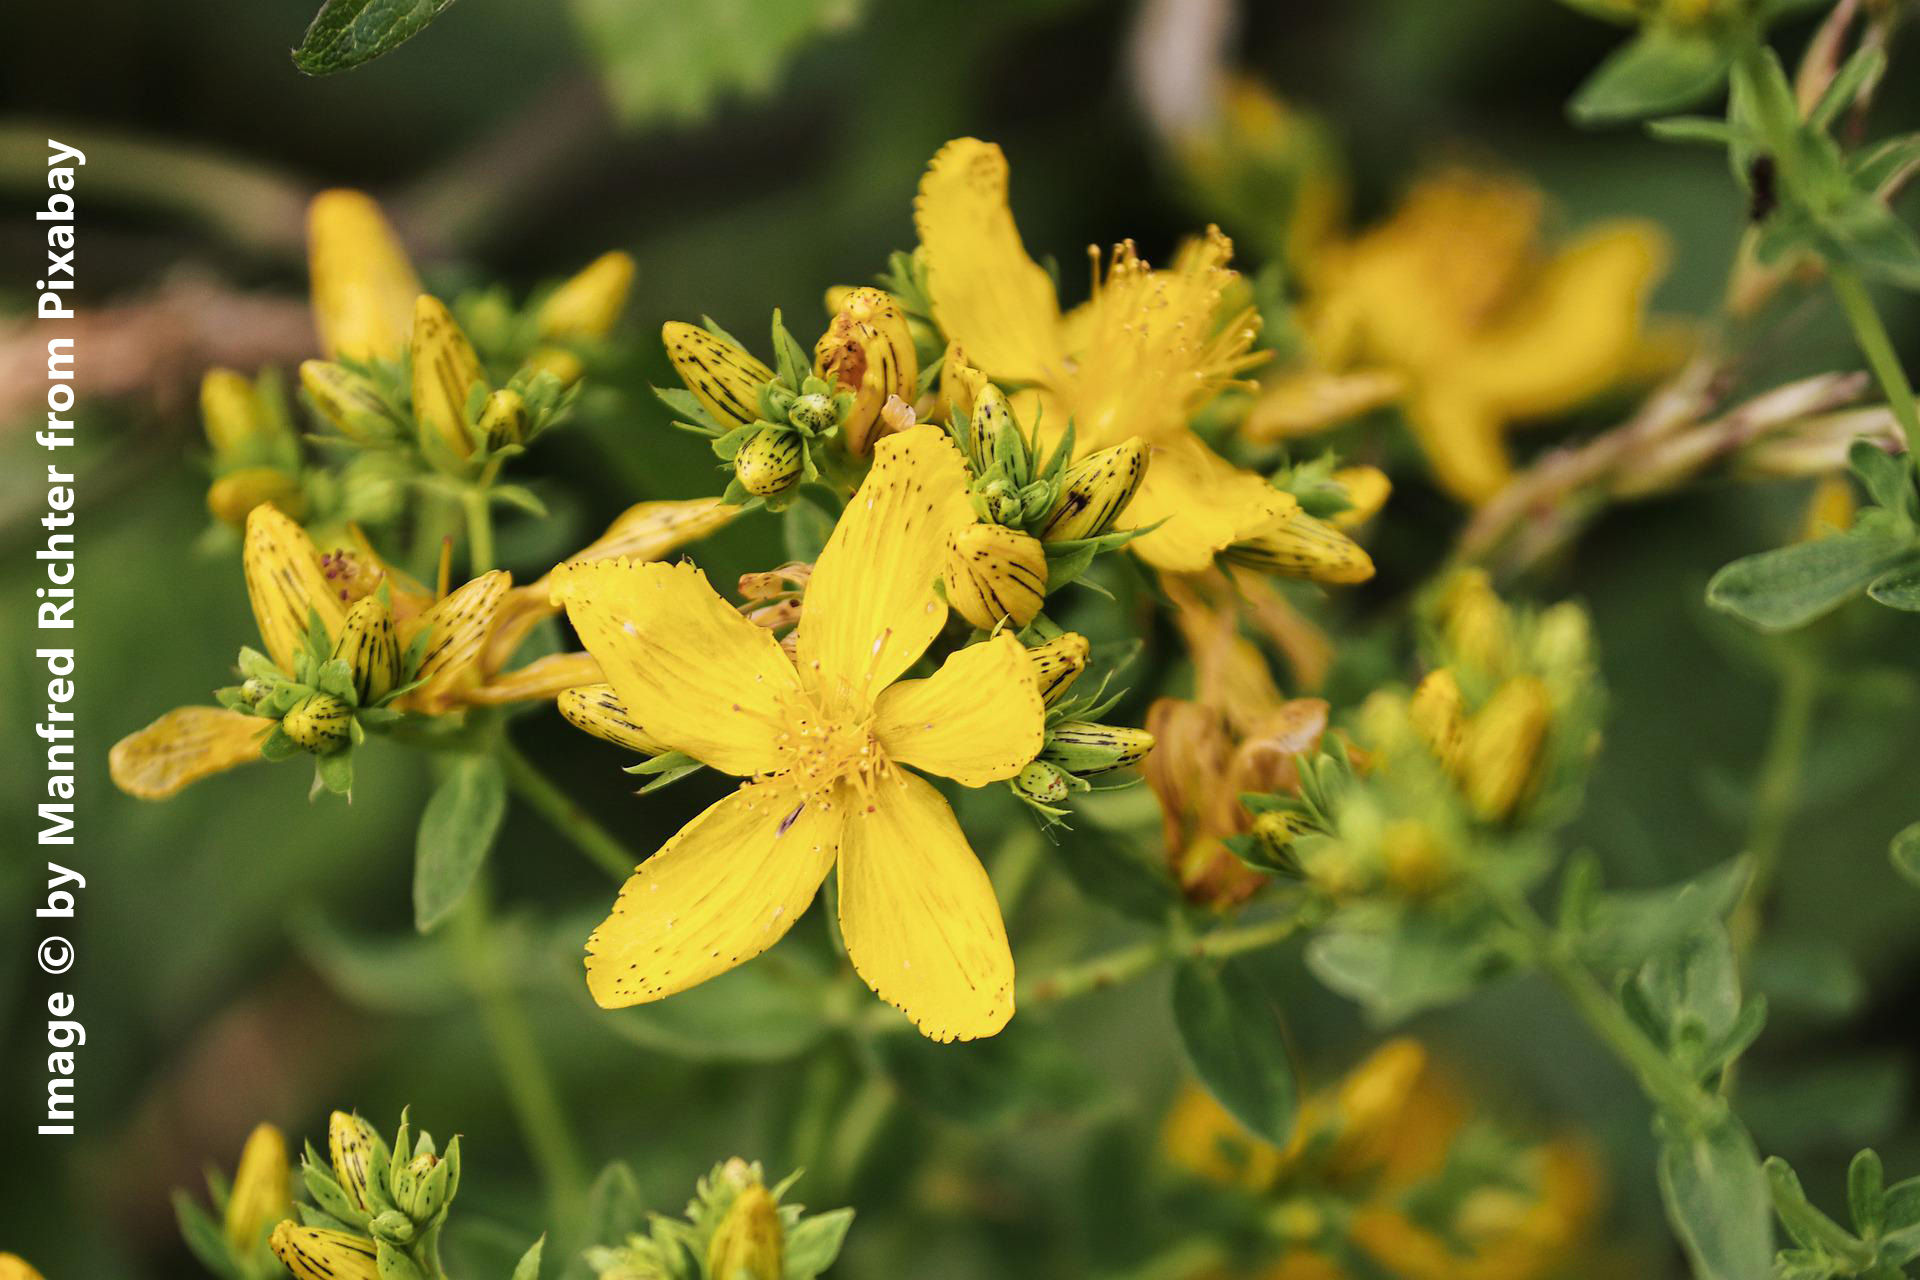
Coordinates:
[589,304]
[229,410]
[261,1189]
[362,282]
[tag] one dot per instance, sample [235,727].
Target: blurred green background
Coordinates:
[246,956]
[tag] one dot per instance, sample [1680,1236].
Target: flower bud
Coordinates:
[1095,490]
[1367,491]
[503,419]
[1299,546]
[1416,860]
[1277,829]
[1476,623]
[588,305]
[319,722]
[371,647]
[393,1227]
[235,494]
[1042,782]
[565,366]
[1439,715]
[363,286]
[813,412]
[1085,749]
[253,688]
[995,574]
[867,350]
[960,384]
[346,400]
[723,378]
[421,1188]
[1500,756]
[750,1243]
[1057,664]
[318,1253]
[260,1196]
[994,438]
[598,710]
[445,367]
[229,411]
[769,462]
[353,1147]
[15,1267]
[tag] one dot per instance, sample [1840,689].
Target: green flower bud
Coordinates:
[1095,490]
[1084,749]
[813,412]
[1042,782]
[769,462]
[348,401]
[421,1187]
[750,1243]
[319,722]
[393,1226]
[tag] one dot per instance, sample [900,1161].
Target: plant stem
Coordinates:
[479,530]
[1871,335]
[1664,1083]
[599,845]
[531,1090]
[1776,791]
[1128,963]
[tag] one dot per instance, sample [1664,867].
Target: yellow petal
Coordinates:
[1575,333]
[597,709]
[653,530]
[1208,505]
[1461,437]
[547,677]
[285,584]
[182,747]
[588,304]
[987,294]
[918,913]
[363,286]
[871,608]
[1308,400]
[723,890]
[445,367]
[456,627]
[703,679]
[977,720]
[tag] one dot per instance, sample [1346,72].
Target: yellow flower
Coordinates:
[15,1267]
[1137,359]
[289,581]
[261,1194]
[589,304]
[1454,307]
[820,741]
[362,282]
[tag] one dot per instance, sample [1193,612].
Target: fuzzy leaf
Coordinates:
[456,831]
[1230,1025]
[1657,71]
[1790,586]
[346,33]
[1717,1199]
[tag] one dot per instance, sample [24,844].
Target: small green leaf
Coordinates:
[1906,854]
[1655,72]
[1887,478]
[1230,1025]
[456,831]
[1627,927]
[528,1268]
[814,1243]
[1790,586]
[1867,1192]
[1717,1199]
[346,33]
[1897,588]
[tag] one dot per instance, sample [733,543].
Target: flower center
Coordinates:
[824,749]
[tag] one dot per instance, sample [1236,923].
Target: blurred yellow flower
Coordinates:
[1145,352]
[820,740]
[362,282]
[15,1267]
[1455,308]
[262,1189]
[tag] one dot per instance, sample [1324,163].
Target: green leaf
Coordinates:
[1905,852]
[1397,961]
[1808,1224]
[528,1268]
[1717,1199]
[1655,72]
[1790,586]
[1626,928]
[1887,478]
[1873,238]
[346,33]
[760,1012]
[456,831]
[204,1237]
[1230,1025]
[1897,588]
[814,1243]
[666,59]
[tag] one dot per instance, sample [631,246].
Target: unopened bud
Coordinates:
[960,384]
[445,369]
[319,723]
[363,287]
[723,378]
[995,574]
[353,1147]
[769,462]
[994,437]
[867,350]
[503,419]
[1095,491]
[230,412]
[1043,782]
[1085,749]
[598,710]
[1476,623]
[1500,757]
[347,400]
[1277,829]
[421,1188]
[588,305]
[1367,490]
[318,1253]
[1057,664]
[813,412]
[253,689]
[566,367]
[750,1243]
[1438,713]
[1299,546]
[235,494]
[371,648]
[260,1195]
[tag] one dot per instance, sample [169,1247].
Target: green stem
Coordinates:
[1664,1083]
[1776,792]
[479,514]
[1871,335]
[1128,963]
[599,845]
[531,1089]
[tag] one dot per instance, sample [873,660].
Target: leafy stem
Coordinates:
[1127,963]
[1870,332]
[600,846]
[1776,792]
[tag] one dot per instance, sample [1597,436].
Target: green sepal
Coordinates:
[334,771]
[394,1264]
[687,407]
[1657,71]
[204,1238]
[277,746]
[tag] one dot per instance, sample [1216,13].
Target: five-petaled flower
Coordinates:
[823,741]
